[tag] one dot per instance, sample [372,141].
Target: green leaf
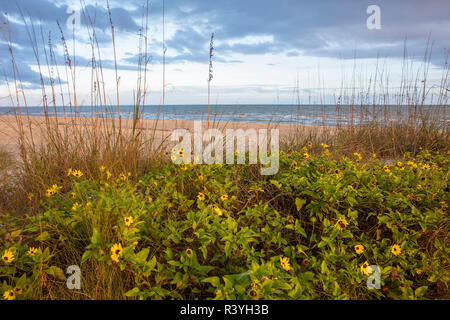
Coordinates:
[299,203]
[43,236]
[150,266]
[299,229]
[307,276]
[133,292]
[160,291]
[142,255]
[323,267]
[276,183]
[56,272]
[86,255]
[321,244]
[214,281]
[419,292]
[95,239]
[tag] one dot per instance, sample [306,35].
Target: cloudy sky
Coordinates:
[264,49]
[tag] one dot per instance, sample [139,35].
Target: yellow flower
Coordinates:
[224,197]
[386,168]
[32,251]
[236,152]
[324,145]
[102,168]
[359,249]
[218,211]
[426,167]
[365,268]
[189,252]
[400,164]
[123,177]
[310,144]
[294,164]
[9,295]
[30,196]
[291,219]
[88,204]
[53,190]
[254,284]
[200,177]
[181,153]
[108,174]
[18,290]
[411,164]
[285,263]
[69,173]
[419,271]
[358,155]
[306,155]
[396,250]
[8,256]
[341,224]
[374,155]
[76,206]
[116,252]
[201,196]
[129,221]
[77,173]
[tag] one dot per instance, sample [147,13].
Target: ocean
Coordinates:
[329,115]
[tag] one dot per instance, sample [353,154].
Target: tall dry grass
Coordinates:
[48,149]
[376,121]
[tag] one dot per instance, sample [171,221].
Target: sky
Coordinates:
[265,51]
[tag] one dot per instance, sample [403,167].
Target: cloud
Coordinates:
[32,24]
[323,28]
[295,28]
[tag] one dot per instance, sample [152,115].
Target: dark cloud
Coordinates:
[325,28]
[31,24]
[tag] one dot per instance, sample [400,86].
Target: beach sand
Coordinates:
[10,134]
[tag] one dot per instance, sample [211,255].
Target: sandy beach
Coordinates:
[10,133]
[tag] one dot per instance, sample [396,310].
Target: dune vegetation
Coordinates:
[312,231]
